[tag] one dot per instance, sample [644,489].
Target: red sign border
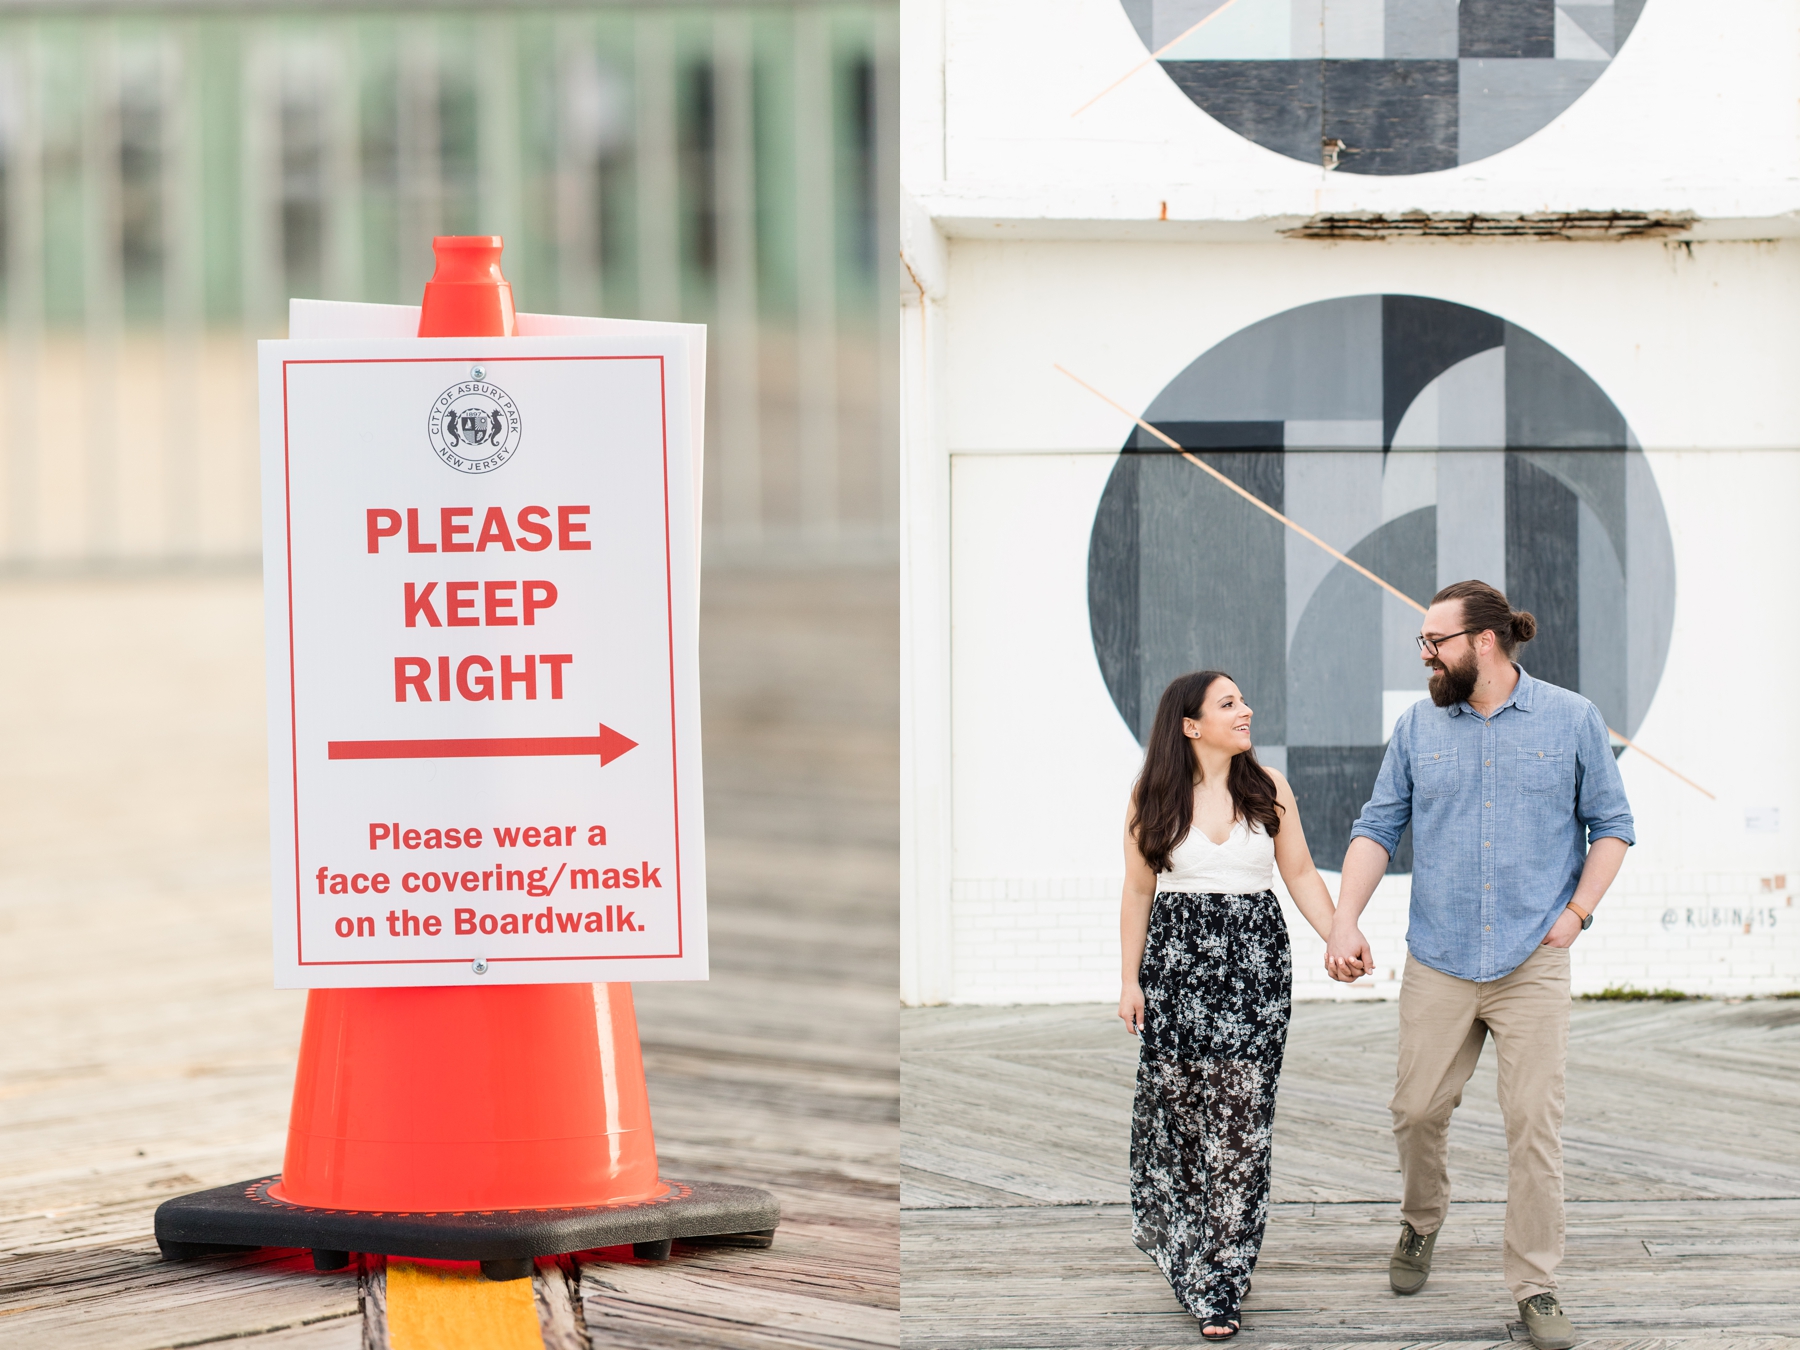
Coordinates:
[287,500]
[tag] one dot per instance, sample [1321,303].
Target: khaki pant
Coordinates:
[1443,1022]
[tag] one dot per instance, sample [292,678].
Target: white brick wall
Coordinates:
[1056,939]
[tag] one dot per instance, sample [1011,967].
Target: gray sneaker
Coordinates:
[1548,1324]
[1410,1265]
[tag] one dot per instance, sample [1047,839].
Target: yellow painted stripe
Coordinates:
[446,1307]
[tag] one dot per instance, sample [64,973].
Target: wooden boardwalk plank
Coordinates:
[147,1056]
[834,1287]
[1682,1153]
[127,1298]
[1068,1276]
[1637,1127]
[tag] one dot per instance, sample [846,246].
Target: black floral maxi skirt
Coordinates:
[1217,979]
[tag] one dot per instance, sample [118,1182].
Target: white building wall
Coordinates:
[1038,244]
[1695,114]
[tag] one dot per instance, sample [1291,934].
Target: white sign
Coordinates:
[480,569]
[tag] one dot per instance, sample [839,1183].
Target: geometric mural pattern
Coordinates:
[1431,443]
[1386,86]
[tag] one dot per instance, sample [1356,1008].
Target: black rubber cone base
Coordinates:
[245,1216]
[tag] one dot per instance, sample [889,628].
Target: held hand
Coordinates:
[1347,955]
[1564,931]
[1131,1009]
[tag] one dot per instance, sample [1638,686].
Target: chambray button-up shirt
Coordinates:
[1503,810]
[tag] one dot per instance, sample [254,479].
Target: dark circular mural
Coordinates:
[1385,86]
[1431,443]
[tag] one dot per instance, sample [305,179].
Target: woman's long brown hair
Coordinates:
[1162,800]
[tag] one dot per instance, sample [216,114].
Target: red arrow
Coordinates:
[609,745]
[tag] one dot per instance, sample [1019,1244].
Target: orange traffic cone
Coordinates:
[522,1096]
[493,1124]
[439,1098]
[467,296]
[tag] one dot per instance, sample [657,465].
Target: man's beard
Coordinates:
[1451,685]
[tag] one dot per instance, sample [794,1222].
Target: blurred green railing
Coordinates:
[169,178]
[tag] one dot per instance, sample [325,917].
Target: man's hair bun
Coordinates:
[1485,610]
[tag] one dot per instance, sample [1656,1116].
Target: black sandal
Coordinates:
[1225,1322]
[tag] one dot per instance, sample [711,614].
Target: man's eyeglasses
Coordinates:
[1429,646]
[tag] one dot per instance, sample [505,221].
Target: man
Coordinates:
[1519,825]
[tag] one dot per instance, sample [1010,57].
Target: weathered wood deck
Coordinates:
[1683,1176]
[143,1053]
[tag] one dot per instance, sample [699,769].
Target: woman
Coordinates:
[1206,985]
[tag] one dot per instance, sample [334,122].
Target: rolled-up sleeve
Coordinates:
[1601,804]
[1389,809]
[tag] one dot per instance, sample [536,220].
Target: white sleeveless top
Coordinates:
[1243,865]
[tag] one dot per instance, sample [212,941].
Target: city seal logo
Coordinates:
[474,426]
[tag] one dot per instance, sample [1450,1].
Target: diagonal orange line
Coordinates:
[1182,37]
[1307,534]
[1247,495]
[1667,768]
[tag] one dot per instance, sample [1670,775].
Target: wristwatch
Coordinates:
[1587,920]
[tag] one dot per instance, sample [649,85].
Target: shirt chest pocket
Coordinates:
[1435,775]
[1543,771]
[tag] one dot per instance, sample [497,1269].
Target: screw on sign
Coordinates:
[465,1090]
